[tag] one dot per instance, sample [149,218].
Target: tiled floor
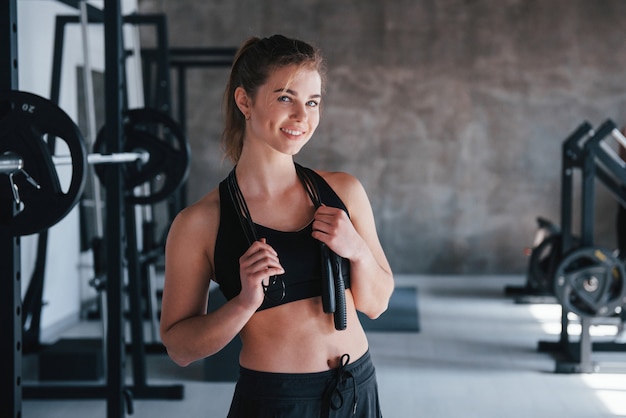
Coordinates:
[476,356]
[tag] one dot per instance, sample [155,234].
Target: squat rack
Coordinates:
[10,274]
[32,299]
[115,392]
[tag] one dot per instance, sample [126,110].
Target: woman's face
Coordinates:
[286,110]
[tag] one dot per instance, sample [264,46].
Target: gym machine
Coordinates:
[153,120]
[137,124]
[586,279]
[589,280]
[40,203]
[32,201]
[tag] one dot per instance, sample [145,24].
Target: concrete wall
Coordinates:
[451,112]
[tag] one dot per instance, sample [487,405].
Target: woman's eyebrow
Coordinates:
[293,93]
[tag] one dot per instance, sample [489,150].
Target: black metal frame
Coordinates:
[157,66]
[121,221]
[584,153]
[114,232]
[118,396]
[10,274]
[180,60]
[32,299]
[119,229]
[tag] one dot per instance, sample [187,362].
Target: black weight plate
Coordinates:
[591,282]
[27,124]
[151,131]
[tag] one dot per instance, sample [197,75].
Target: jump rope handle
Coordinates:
[341,315]
[328,281]
[333,286]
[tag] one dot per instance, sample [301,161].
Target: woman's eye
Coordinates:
[285,99]
[312,103]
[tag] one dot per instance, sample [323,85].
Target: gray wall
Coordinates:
[451,112]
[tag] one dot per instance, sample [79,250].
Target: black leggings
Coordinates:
[348,391]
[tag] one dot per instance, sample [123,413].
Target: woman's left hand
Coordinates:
[333,227]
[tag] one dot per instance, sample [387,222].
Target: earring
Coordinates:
[247,117]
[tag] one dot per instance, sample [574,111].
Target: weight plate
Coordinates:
[591,282]
[151,131]
[30,126]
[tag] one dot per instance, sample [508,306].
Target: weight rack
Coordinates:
[585,151]
[117,395]
[10,274]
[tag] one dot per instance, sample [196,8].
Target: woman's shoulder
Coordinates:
[203,215]
[343,183]
[348,188]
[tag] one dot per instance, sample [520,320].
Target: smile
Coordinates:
[291,132]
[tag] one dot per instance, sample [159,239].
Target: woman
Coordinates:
[261,235]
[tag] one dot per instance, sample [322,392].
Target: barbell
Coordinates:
[150,131]
[156,153]
[10,162]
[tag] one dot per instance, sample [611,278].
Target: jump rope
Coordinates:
[333,286]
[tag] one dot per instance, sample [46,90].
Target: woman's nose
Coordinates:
[299,112]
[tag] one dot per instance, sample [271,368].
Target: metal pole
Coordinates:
[10,317]
[10,274]
[91,115]
[114,94]
[116,158]
[8,45]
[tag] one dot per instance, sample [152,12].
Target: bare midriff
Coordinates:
[299,337]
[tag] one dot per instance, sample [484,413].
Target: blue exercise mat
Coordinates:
[402,314]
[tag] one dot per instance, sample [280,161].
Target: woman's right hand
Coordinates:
[256,266]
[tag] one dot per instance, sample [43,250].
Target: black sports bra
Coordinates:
[298,251]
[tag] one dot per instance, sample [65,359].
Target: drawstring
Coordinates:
[333,399]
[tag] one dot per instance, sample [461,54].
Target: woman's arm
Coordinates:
[356,239]
[188,332]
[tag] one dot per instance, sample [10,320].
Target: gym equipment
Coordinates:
[159,62]
[156,89]
[33,178]
[156,134]
[542,263]
[544,256]
[544,259]
[25,127]
[116,391]
[10,250]
[26,120]
[590,282]
[84,354]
